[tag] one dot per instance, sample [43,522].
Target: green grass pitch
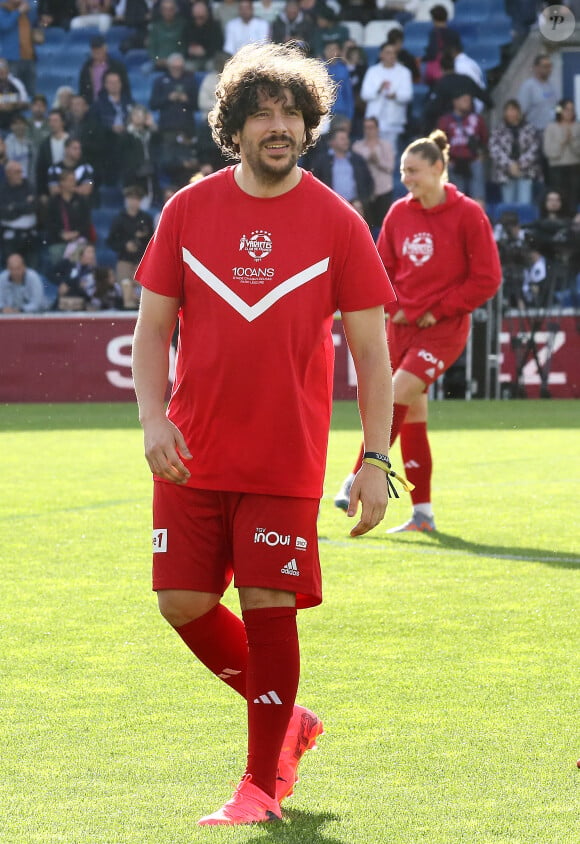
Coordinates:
[445,667]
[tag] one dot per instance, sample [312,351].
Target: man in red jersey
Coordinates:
[438,248]
[254,261]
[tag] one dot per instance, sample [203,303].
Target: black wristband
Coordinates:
[377,455]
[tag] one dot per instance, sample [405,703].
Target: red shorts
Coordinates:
[202,538]
[427,352]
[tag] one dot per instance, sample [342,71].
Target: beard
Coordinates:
[271,173]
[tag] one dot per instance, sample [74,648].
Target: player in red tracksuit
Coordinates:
[439,252]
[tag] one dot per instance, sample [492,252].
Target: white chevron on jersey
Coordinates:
[251,312]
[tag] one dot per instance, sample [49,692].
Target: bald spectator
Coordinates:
[21,288]
[538,96]
[291,24]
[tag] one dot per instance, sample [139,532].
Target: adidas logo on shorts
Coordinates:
[291,568]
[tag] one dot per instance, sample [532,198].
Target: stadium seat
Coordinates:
[471,11]
[356,31]
[527,212]
[135,59]
[83,35]
[53,35]
[111,196]
[105,256]
[102,219]
[376,32]
[487,56]
[425,6]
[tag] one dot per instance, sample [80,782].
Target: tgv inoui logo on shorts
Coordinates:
[160,540]
[271,537]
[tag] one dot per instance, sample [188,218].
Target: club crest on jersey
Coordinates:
[258,245]
[419,248]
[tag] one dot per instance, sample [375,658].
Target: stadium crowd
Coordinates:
[88,157]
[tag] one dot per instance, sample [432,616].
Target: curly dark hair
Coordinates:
[268,69]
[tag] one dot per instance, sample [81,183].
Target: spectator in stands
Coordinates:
[166,35]
[17,42]
[468,135]
[225,11]
[13,96]
[38,128]
[291,24]
[467,66]
[514,253]
[266,9]
[514,151]
[62,100]
[402,11]
[442,37]
[111,113]
[93,71]
[129,235]
[562,150]
[356,62]
[380,158]
[68,218]
[396,37]
[18,214]
[3,159]
[246,28]
[97,14]
[50,151]
[450,86]
[345,171]
[538,96]
[141,155]
[362,11]
[174,96]
[328,28]
[338,72]
[19,146]
[56,12]
[73,160]
[74,276]
[551,232]
[209,155]
[135,14]
[21,288]
[204,36]
[387,89]
[107,294]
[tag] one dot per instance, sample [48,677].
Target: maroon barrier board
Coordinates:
[87,357]
[541,350]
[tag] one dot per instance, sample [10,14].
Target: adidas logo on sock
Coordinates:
[411,464]
[291,568]
[271,697]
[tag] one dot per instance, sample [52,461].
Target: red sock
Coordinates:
[218,639]
[399,413]
[273,674]
[358,462]
[417,460]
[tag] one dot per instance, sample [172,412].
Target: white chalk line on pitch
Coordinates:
[438,551]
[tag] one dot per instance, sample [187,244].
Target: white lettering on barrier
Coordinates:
[119,354]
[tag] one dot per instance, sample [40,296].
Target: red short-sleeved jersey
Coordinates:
[259,281]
